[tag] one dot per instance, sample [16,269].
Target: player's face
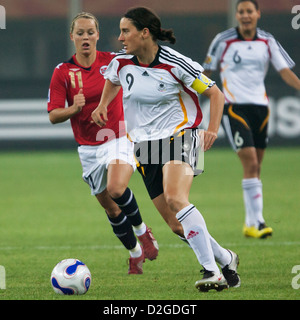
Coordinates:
[247,17]
[130,37]
[85,36]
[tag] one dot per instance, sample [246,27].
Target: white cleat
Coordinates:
[211,281]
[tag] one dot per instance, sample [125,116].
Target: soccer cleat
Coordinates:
[261,232]
[230,271]
[136,264]
[211,281]
[149,244]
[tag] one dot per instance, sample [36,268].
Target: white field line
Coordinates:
[261,243]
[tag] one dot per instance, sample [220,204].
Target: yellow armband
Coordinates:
[202,83]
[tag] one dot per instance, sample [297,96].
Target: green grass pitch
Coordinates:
[47,214]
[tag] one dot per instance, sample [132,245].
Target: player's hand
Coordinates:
[99,116]
[79,101]
[208,139]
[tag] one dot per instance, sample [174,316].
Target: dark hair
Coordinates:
[142,17]
[252,1]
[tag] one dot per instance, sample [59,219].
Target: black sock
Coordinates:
[128,205]
[123,230]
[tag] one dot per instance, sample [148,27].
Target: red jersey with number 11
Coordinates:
[67,79]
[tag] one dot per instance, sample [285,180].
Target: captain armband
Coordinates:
[201,83]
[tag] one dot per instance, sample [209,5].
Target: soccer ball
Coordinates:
[71,276]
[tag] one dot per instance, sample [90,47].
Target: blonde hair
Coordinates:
[84,15]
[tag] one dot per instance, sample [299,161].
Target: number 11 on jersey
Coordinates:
[73,75]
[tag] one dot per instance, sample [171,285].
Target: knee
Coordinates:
[110,207]
[250,162]
[175,202]
[116,190]
[253,168]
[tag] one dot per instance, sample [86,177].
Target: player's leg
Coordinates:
[227,259]
[177,185]
[251,156]
[255,226]
[251,187]
[153,178]
[120,224]
[268,231]
[260,152]
[122,228]
[93,160]
[168,216]
[119,172]
[249,160]
[241,124]
[118,176]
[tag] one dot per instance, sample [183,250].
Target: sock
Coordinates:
[136,251]
[123,230]
[184,240]
[196,233]
[128,205]
[222,256]
[140,230]
[253,200]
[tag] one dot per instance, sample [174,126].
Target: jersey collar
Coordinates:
[154,63]
[240,37]
[74,61]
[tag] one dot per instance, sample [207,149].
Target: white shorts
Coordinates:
[95,161]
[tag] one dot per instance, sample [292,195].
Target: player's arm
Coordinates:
[290,78]
[110,91]
[208,88]
[217,101]
[59,115]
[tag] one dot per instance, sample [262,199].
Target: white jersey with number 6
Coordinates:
[244,63]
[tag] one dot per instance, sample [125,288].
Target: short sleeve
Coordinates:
[280,59]
[111,72]
[214,54]
[188,74]
[57,91]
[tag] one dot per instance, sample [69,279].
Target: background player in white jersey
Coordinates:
[106,154]
[162,114]
[243,54]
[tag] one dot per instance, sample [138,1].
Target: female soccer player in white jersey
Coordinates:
[106,154]
[243,55]
[162,114]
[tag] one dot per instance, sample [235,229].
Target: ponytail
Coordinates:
[167,35]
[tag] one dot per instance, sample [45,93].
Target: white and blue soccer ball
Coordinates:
[71,276]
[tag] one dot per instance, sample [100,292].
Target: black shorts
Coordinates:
[246,125]
[151,156]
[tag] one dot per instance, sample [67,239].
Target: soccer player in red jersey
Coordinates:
[106,155]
